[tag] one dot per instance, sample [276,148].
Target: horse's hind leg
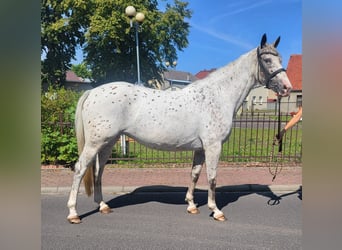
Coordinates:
[212,155]
[101,160]
[195,173]
[81,165]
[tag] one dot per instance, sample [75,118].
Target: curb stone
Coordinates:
[160,188]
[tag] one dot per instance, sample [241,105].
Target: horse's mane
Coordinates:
[221,72]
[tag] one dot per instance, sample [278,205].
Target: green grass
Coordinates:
[244,145]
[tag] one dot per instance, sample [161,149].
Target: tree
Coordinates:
[62,29]
[110,42]
[102,29]
[82,70]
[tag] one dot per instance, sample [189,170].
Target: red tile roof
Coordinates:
[204,73]
[72,77]
[294,71]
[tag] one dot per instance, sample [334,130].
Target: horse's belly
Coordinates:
[168,142]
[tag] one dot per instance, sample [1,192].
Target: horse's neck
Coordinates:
[235,80]
[248,73]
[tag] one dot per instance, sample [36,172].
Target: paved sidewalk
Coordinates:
[123,180]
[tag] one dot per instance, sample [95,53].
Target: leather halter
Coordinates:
[268,76]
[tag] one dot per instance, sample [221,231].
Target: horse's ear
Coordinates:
[276,42]
[263,41]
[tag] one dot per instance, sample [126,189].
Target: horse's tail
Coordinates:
[88,177]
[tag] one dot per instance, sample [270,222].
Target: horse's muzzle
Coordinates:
[286,88]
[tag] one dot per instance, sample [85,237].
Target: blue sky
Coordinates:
[222,30]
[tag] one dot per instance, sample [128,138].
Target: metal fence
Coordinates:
[250,141]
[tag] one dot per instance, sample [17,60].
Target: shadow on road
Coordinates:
[224,196]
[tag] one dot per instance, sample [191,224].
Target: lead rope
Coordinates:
[276,160]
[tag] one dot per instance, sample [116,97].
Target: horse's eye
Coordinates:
[267,60]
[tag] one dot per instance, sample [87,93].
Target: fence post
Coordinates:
[61,122]
[127,146]
[124,145]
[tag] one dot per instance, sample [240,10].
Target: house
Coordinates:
[262,98]
[175,80]
[76,83]
[73,82]
[294,73]
[256,100]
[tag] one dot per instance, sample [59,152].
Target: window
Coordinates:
[260,100]
[254,100]
[299,100]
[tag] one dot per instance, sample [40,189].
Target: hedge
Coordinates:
[58,141]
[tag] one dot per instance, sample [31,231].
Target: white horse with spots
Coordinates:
[198,117]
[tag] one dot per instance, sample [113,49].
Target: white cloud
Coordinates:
[224,37]
[239,9]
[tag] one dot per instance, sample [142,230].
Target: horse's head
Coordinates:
[271,73]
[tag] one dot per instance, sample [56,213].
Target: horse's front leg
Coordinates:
[195,173]
[212,155]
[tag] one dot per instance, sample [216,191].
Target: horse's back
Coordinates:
[170,120]
[159,119]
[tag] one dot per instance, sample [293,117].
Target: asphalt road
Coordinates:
[158,220]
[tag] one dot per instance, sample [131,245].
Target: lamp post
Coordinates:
[174,64]
[131,12]
[139,18]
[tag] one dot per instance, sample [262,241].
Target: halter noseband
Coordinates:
[268,77]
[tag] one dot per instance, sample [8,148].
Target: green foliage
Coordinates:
[62,29]
[58,141]
[103,30]
[111,42]
[82,70]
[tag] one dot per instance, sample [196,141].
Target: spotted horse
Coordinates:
[199,117]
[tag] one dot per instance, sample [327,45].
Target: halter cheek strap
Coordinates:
[273,75]
[268,77]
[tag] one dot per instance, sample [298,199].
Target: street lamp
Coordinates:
[174,64]
[131,12]
[139,18]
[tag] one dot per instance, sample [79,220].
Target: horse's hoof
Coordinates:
[106,210]
[74,220]
[220,217]
[193,210]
